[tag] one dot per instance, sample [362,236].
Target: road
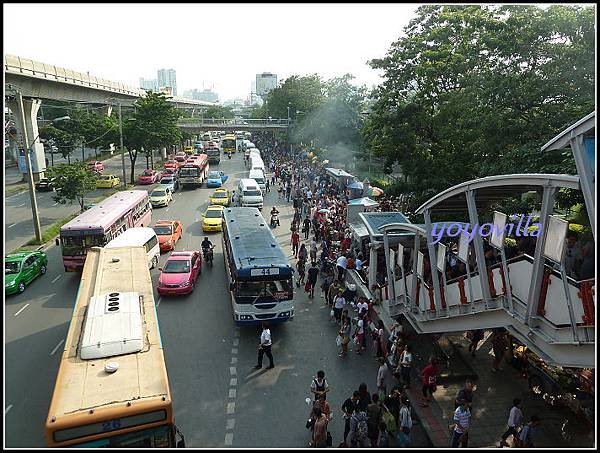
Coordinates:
[18,224]
[219,399]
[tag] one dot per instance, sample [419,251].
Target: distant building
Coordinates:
[265,82]
[201,95]
[168,78]
[151,85]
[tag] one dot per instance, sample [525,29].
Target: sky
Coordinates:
[212,46]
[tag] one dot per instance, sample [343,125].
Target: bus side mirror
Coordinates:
[57,241]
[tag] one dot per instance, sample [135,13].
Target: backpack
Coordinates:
[362,430]
[390,422]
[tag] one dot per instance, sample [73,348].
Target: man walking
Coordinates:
[348,409]
[265,347]
[462,420]
[295,241]
[515,421]
[341,265]
[306,227]
[405,423]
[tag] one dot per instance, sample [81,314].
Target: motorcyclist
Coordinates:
[274,212]
[207,247]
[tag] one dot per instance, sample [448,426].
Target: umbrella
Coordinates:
[375,192]
[355,185]
[323,210]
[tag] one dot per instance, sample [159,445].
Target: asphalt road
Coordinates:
[18,223]
[219,399]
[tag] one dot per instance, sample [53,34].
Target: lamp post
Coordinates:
[34,208]
[122,149]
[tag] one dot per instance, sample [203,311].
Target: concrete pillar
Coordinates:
[163,152]
[38,159]
[372,265]
[13,149]
[437,296]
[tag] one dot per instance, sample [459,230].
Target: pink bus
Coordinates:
[101,223]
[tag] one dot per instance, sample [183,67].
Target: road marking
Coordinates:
[230,423]
[233,360]
[236,333]
[232,382]
[158,303]
[232,393]
[56,278]
[232,369]
[17,313]
[231,408]
[57,346]
[55,204]
[21,205]
[236,342]
[10,406]
[10,226]
[234,350]
[229,439]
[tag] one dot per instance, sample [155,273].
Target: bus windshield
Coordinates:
[77,245]
[189,171]
[257,292]
[160,436]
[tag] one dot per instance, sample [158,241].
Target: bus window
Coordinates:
[151,243]
[247,292]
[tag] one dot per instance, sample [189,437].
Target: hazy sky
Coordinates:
[212,45]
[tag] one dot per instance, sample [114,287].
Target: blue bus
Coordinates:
[260,274]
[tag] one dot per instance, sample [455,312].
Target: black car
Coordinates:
[45,185]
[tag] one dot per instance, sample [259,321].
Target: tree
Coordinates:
[471,91]
[152,126]
[72,182]
[219,111]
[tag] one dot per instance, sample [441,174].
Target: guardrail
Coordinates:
[232,122]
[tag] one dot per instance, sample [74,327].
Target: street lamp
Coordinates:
[34,208]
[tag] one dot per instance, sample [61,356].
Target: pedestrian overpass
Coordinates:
[198,125]
[531,296]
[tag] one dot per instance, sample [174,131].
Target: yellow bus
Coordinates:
[112,388]
[228,143]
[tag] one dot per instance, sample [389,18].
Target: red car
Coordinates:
[180,273]
[96,165]
[180,160]
[148,177]
[170,164]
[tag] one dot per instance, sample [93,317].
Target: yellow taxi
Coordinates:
[188,150]
[220,197]
[212,219]
[107,181]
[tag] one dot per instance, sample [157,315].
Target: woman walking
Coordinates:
[345,333]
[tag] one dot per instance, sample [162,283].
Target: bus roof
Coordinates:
[106,212]
[198,161]
[252,242]
[141,378]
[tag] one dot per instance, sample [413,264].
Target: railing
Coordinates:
[198,122]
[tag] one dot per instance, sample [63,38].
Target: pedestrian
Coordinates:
[383,441]
[338,306]
[280,192]
[475,336]
[267,185]
[319,439]
[374,413]
[378,333]
[404,423]
[288,191]
[319,385]
[313,274]
[359,431]
[303,253]
[527,436]
[382,373]
[341,265]
[406,361]
[429,380]
[499,346]
[265,347]
[359,335]
[462,422]
[295,241]
[389,419]
[313,251]
[301,267]
[348,410]
[306,227]
[345,333]
[515,422]
[465,394]
[362,307]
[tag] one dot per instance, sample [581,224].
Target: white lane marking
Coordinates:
[158,303]
[10,226]
[229,439]
[21,205]
[232,382]
[236,342]
[231,408]
[232,393]
[234,350]
[230,423]
[56,278]
[55,204]
[17,313]
[7,409]
[232,369]
[57,346]
[236,333]
[233,360]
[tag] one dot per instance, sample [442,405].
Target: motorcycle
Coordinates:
[274,220]
[208,255]
[229,155]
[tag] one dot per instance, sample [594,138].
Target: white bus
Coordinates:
[139,237]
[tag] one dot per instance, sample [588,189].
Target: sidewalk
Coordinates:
[493,395]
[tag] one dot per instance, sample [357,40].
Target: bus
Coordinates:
[194,172]
[259,273]
[112,387]
[214,153]
[101,223]
[228,143]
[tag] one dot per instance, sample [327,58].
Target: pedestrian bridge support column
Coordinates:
[30,110]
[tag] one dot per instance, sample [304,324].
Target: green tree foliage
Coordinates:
[73,182]
[218,111]
[476,90]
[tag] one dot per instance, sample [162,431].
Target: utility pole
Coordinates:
[122,149]
[34,208]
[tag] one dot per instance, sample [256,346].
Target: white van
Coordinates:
[249,194]
[254,152]
[259,176]
[139,237]
[256,163]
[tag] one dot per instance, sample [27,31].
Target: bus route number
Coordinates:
[111,425]
[265,271]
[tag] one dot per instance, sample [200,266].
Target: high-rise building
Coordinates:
[151,85]
[265,82]
[207,95]
[167,78]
